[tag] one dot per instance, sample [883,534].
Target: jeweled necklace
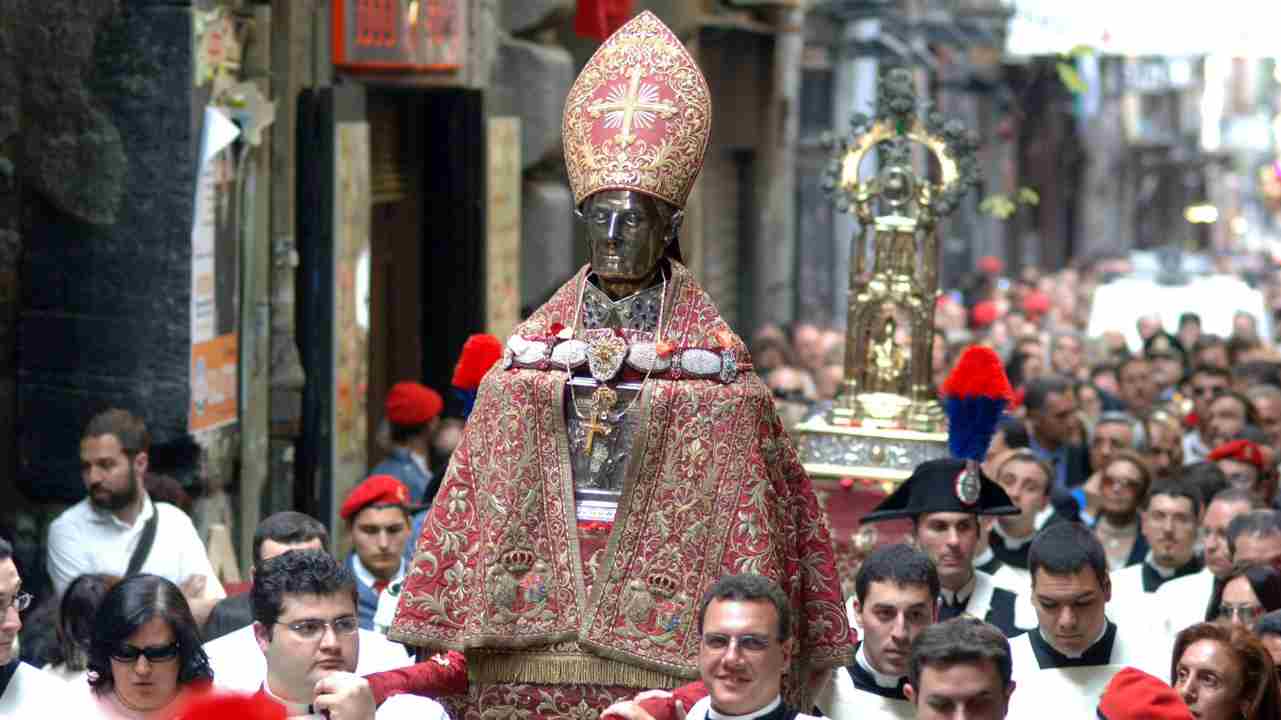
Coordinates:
[604,397]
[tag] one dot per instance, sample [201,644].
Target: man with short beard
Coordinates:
[1183,600]
[1169,523]
[117,529]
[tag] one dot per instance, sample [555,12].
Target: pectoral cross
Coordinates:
[634,105]
[602,402]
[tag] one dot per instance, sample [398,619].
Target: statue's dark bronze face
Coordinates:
[627,232]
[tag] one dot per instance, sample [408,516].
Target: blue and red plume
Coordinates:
[974,396]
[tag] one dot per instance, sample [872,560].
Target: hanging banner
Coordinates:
[215,278]
[404,35]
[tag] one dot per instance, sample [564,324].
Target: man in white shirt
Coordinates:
[1075,650]
[102,533]
[1027,479]
[24,690]
[745,645]
[896,598]
[306,627]
[1184,601]
[1169,523]
[945,503]
[960,669]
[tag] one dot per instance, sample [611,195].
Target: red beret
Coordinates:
[375,490]
[983,314]
[1036,303]
[409,403]
[991,264]
[1241,451]
[1136,695]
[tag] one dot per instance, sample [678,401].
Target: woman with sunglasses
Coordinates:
[1245,595]
[145,657]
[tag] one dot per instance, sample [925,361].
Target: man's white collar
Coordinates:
[1011,542]
[881,679]
[1078,655]
[952,597]
[1165,572]
[712,714]
[366,577]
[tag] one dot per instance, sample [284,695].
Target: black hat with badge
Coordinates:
[975,395]
[944,485]
[1163,344]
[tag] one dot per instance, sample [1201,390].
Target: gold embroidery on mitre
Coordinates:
[638,117]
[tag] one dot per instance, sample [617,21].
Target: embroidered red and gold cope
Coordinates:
[638,117]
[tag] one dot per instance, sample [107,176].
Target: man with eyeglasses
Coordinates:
[24,690]
[306,626]
[1206,382]
[1254,538]
[1168,517]
[1183,600]
[235,657]
[745,647]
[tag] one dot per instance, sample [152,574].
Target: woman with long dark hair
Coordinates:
[145,656]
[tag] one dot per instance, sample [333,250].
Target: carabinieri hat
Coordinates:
[944,485]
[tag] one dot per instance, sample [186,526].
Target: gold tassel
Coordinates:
[546,669]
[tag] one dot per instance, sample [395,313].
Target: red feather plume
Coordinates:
[479,354]
[979,373]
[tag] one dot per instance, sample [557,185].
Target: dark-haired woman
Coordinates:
[1245,595]
[145,658]
[69,659]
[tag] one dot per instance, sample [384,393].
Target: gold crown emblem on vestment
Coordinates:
[517,561]
[638,117]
